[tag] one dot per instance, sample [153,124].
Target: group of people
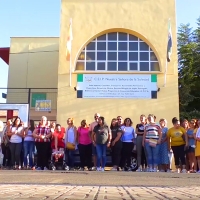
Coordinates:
[153,142]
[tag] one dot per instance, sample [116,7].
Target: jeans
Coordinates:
[101,154]
[152,154]
[28,150]
[85,152]
[15,149]
[69,157]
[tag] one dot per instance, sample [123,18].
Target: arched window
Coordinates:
[117,51]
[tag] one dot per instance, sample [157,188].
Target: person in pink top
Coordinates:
[84,146]
[94,151]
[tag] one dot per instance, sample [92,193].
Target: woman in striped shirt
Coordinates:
[151,141]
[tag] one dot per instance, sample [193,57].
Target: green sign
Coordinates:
[37,96]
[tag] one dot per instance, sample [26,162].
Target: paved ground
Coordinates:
[98,185]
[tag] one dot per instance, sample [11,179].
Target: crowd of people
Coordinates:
[153,141]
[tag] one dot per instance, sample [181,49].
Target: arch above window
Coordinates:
[117,51]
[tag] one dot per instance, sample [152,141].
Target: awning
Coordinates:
[4,54]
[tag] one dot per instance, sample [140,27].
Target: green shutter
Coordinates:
[154,78]
[37,96]
[79,78]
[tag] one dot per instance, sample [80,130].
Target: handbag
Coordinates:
[70,146]
[152,142]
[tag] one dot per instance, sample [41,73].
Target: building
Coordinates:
[114,43]
[117,65]
[33,66]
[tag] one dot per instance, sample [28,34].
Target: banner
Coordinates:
[43,105]
[131,86]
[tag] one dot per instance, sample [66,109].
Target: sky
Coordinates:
[34,18]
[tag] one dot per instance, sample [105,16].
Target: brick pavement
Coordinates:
[62,192]
[98,185]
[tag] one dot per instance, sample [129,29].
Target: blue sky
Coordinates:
[42,18]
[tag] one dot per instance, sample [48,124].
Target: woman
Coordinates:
[1,139]
[52,128]
[42,135]
[116,144]
[197,139]
[101,139]
[163,154]
[177,139]
[84,146]
[57,138]
[185,124]
[57,143]
[70,138]
[16,134]
[5,144]
[127,139]
[191,148]
[29,145]
[151,141]
[120,121]
[141,157]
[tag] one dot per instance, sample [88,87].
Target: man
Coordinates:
[91,128]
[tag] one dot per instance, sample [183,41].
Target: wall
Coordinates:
[33,64]
[148,18]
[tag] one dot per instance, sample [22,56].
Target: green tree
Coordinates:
[189,70]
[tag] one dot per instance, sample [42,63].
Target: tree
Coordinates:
[189,70]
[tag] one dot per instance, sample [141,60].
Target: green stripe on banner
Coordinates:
[79,78]
[154,78]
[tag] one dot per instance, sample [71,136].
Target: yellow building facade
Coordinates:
[33,67]
[116,46]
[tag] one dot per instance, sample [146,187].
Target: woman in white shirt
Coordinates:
[16,133]
[29,145]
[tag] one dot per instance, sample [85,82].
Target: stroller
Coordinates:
[58,160]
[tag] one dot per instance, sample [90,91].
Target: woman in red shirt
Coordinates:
[57,138]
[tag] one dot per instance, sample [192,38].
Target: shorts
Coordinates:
[190,150]
[94,150]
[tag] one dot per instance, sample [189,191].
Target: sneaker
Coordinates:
[38,168]
[98,169]
[184,171]
[81,169]
[66,168]
[94,168]
[178,171]
[155,170]
[161,170]
[113,169]
[139,170]
[102,169]
[45,169]
[147,169]
[150,170]
[198,172]
[129,169]
[168,171]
